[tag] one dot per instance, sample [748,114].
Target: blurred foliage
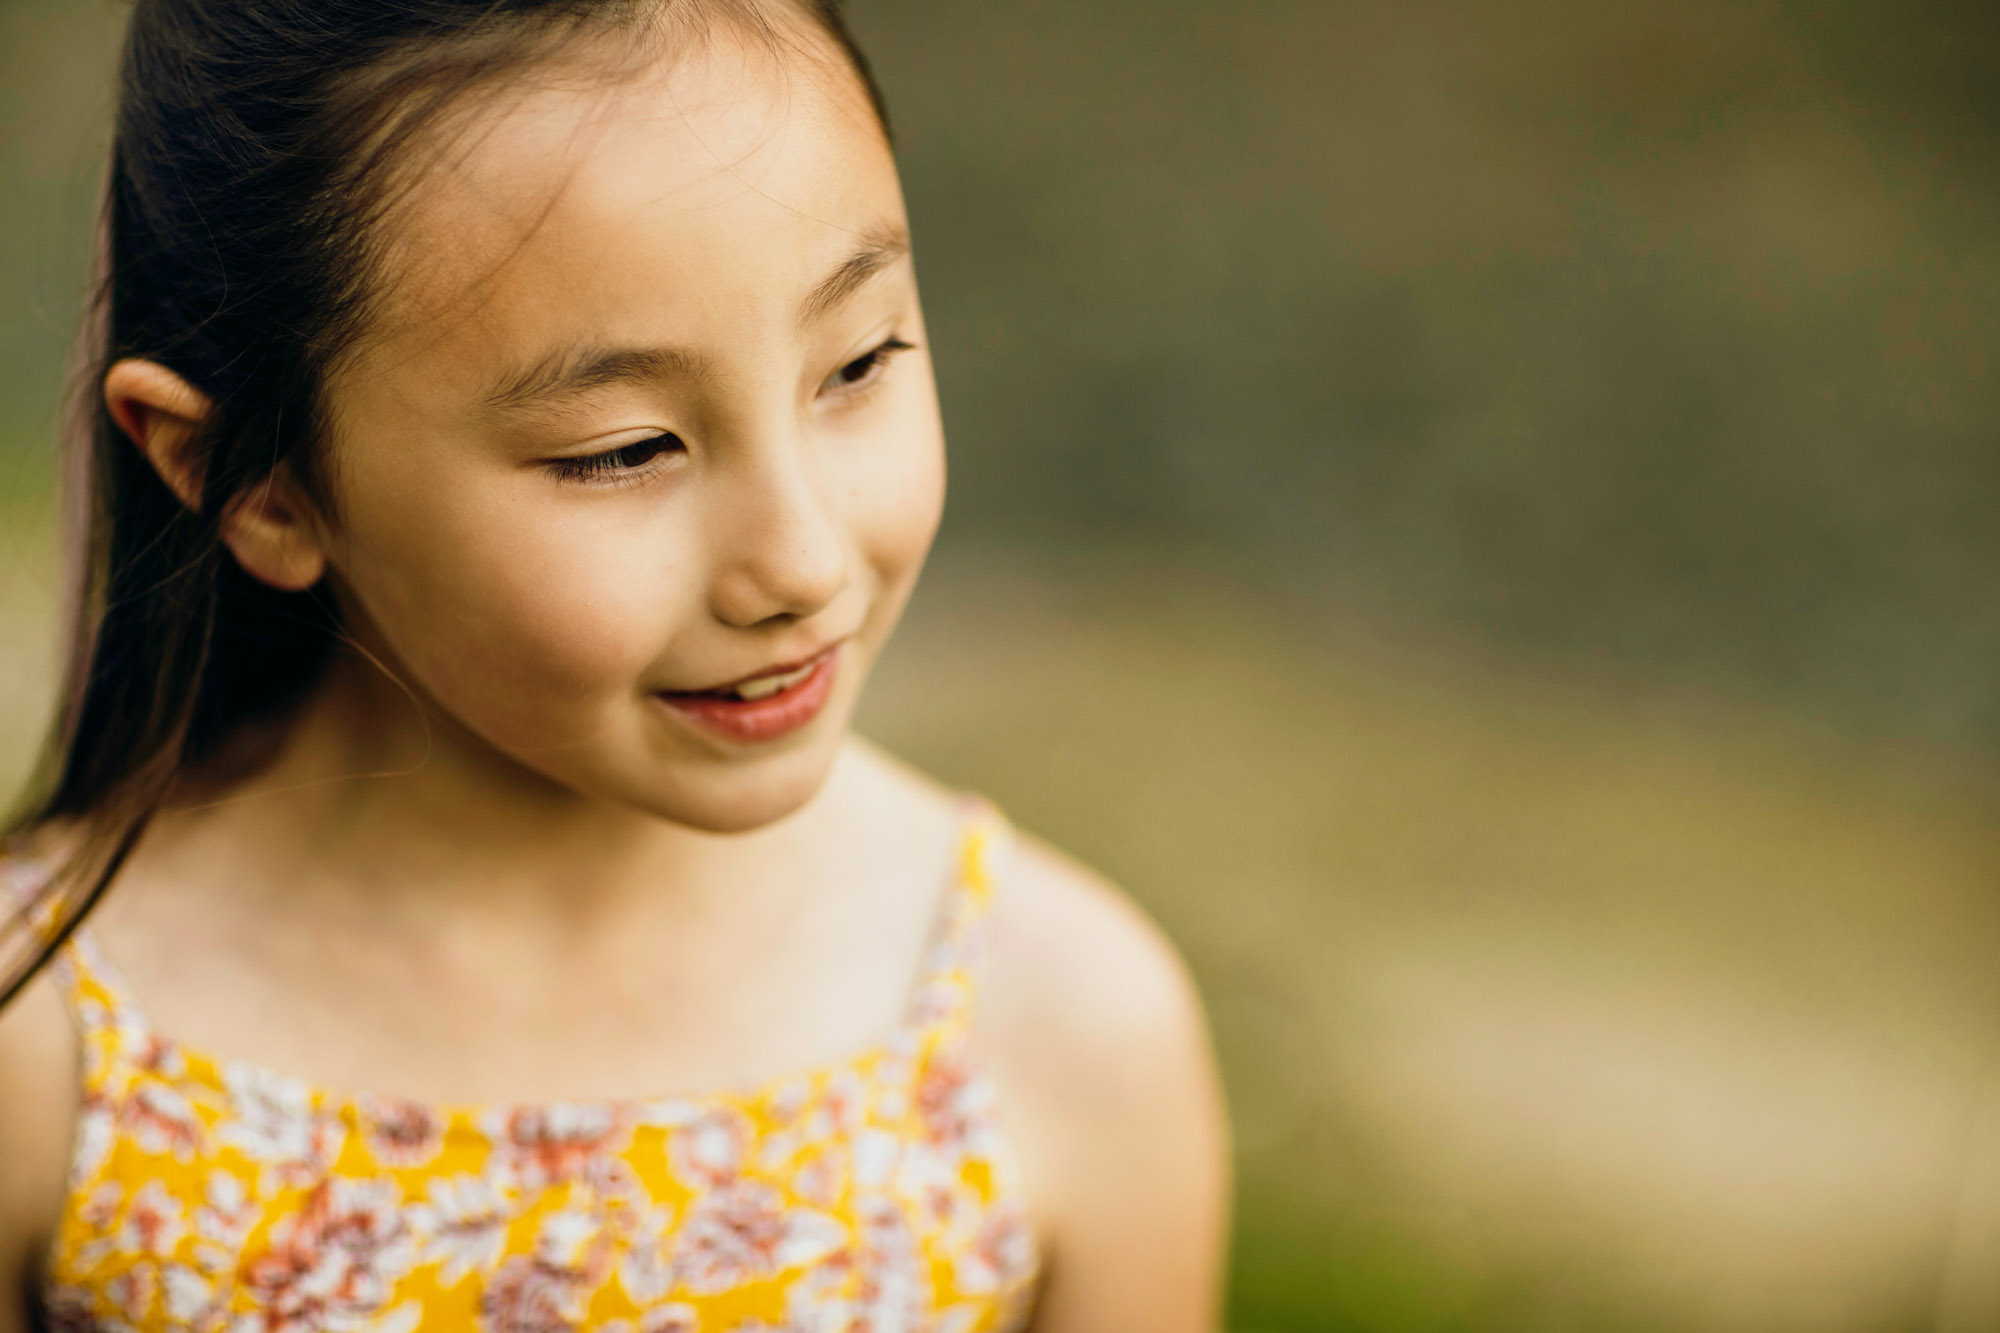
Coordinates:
[1480,513]
[1656,336]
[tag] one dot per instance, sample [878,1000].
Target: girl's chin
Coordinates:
[747,793]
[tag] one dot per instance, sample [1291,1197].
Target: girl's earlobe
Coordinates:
[270,527]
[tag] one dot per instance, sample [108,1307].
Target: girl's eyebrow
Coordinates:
[569,372]
[881,246]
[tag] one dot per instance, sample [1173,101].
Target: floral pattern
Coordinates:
[875,1196]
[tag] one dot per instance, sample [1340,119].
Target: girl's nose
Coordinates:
[784,553]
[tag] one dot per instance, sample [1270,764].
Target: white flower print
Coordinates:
[818,1302]
[223,1220]
[570,1239]
[646,1271]
[273,1122]
[675,1318]
[190,1297]
[708,1150]
[876,1152]
[332,1267]
[462,1225]
[893,1293]
[818,1180]
[96,1130]
[405,1318]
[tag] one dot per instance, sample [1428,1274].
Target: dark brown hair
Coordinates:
[253,158]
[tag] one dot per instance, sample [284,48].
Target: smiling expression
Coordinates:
[638,466]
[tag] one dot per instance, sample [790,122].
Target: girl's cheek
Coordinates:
[897,498]
[536,607]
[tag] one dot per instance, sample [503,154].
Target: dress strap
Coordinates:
[98,1001]
[949,976]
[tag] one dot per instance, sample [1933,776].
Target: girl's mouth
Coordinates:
[764,707]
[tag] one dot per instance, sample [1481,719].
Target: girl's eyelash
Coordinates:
[628,462]
[616,466]
[861,371]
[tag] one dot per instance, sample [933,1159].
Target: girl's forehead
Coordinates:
[722,173]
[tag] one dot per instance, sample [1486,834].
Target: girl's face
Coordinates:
[646,415]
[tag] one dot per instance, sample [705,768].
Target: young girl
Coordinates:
[511,443]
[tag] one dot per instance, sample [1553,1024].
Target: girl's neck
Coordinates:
[368,796]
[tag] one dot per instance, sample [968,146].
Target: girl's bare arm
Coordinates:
[1110,1091]
[37,1114]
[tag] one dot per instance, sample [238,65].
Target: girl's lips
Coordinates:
[760,719]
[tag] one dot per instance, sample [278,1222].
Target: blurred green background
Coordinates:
[1480,514]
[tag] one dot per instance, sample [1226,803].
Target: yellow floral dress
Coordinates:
[872,1196]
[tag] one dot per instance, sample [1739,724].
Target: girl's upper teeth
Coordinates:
[765,686]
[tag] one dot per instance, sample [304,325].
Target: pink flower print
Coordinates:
[463,1225]
[951,1102]
[333,1266]
[154,1223]
[272,1121]
[843,1105]
[161,1121]
[99,1213]
[131,1292]
[100,1208]
[159,1057]
[401,1134]
[934,1001]
[707,1150]
[536,1147]
[743,1232]
[1001,1253]
[67,1309]
[526,1296]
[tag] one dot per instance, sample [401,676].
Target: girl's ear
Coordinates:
[160,411]
[270,528]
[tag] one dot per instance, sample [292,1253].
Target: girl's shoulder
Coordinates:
[1107,1085]
[38,1091]
[1082,985]
[1073,963]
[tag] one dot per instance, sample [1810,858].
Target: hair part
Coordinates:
[259,147]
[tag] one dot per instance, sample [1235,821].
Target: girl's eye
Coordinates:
[620,464]
[864,370]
